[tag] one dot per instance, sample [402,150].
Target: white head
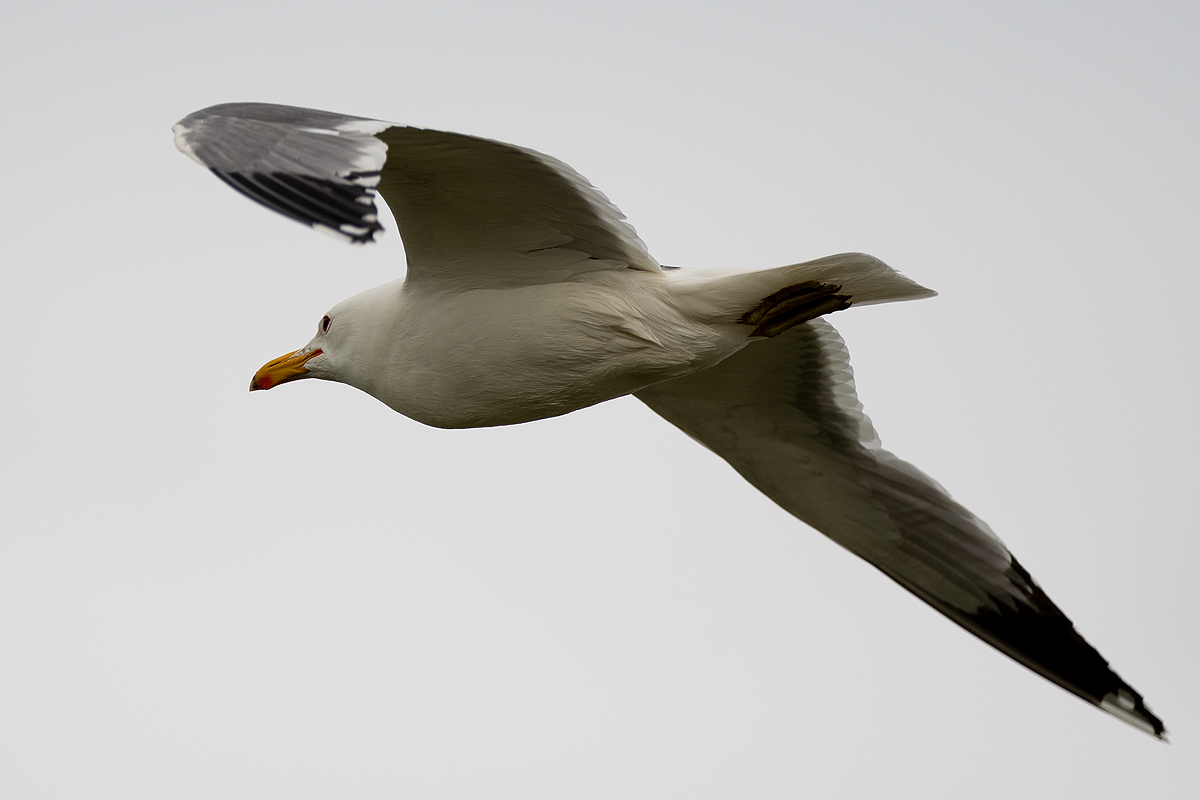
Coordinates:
[347,338]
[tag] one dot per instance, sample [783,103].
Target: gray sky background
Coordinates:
[298,593]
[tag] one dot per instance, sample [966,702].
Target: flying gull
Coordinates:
[528,295]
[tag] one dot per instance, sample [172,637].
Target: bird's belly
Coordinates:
[510,392]
[509,356]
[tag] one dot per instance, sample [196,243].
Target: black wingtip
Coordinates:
[1035,633]
[345,209]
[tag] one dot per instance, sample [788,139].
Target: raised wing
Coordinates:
[783,412]
[472,212]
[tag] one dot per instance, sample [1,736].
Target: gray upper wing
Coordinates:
[472,212]
[315,167]
[783,412]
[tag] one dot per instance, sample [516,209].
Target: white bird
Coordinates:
[528,296]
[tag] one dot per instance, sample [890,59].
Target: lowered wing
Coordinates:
[783,412]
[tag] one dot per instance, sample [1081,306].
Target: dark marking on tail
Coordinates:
[794,304]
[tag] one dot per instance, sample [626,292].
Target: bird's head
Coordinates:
[311,361]
[349,347]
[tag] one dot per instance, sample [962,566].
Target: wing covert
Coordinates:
[499,213]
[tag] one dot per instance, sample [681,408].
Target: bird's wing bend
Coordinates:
[472,212]
[783,412]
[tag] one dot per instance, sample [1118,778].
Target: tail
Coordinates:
[724,296]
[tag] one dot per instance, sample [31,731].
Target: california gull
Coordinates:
[528,295]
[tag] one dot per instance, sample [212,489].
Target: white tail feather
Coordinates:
[723,295]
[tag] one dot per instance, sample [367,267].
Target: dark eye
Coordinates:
[325,321]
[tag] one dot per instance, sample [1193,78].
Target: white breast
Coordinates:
[503,356]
